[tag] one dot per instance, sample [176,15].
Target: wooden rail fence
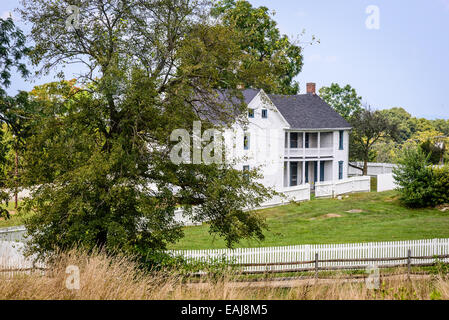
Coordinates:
[326,256]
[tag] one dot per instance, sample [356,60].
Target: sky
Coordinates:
[400,59]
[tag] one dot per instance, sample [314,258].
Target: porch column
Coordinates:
[288,173]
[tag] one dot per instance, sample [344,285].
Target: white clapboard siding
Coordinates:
[303,253]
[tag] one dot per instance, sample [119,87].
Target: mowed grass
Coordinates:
[321,221]
[16,219]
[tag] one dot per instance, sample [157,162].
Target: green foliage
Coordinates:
[344,100]
[415,178]
[403,121]
[215,268]
[280,58]
[435,152]
[441,187]
[12,52]
[420,184]
[99,151]
[369,128]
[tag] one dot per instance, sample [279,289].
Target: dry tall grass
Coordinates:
[103,277]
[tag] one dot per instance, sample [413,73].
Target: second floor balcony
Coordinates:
[309,144]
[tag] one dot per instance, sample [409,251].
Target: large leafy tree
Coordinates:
[369,128]
[280,57]
[344,100]
[99,153]
[13,52]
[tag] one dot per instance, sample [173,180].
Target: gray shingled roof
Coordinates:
[249,94]
[308,111]
[304,111]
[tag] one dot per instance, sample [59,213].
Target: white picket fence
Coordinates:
[306,253]
[298,193]
[336,188]
[11,256]
[13,234]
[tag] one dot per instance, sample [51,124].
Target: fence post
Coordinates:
[316,266]
[409,262]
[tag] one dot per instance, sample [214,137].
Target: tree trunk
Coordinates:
[16,174]
[365,167]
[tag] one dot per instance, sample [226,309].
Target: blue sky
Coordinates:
[404,63]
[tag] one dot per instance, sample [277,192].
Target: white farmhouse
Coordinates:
[294,139]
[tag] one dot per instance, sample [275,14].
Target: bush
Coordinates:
[441,186]
[420,184]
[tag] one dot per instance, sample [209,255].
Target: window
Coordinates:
[246,141]
[307,140]
[340,170]
[245,168]
[315,171]
[251,113]
[294,140]
[341,139]
[264,114]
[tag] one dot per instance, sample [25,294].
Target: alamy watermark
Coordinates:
[256,145]
[73,20]
[72,282]
[373,280]
[372,22]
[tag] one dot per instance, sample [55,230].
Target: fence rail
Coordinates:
[332,256]
[288,259]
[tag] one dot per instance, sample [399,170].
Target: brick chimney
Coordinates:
[311,87]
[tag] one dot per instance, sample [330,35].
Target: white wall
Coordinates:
[386,182]
[373,168]
[326,139]
[341,155]
[328,174]
[267,141]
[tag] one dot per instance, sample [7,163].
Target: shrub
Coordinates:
[420,184]
[441,187]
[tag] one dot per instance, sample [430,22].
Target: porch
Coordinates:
[303,172]
[305,144]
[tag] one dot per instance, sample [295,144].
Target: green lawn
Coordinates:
[314,222]
[16,220]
